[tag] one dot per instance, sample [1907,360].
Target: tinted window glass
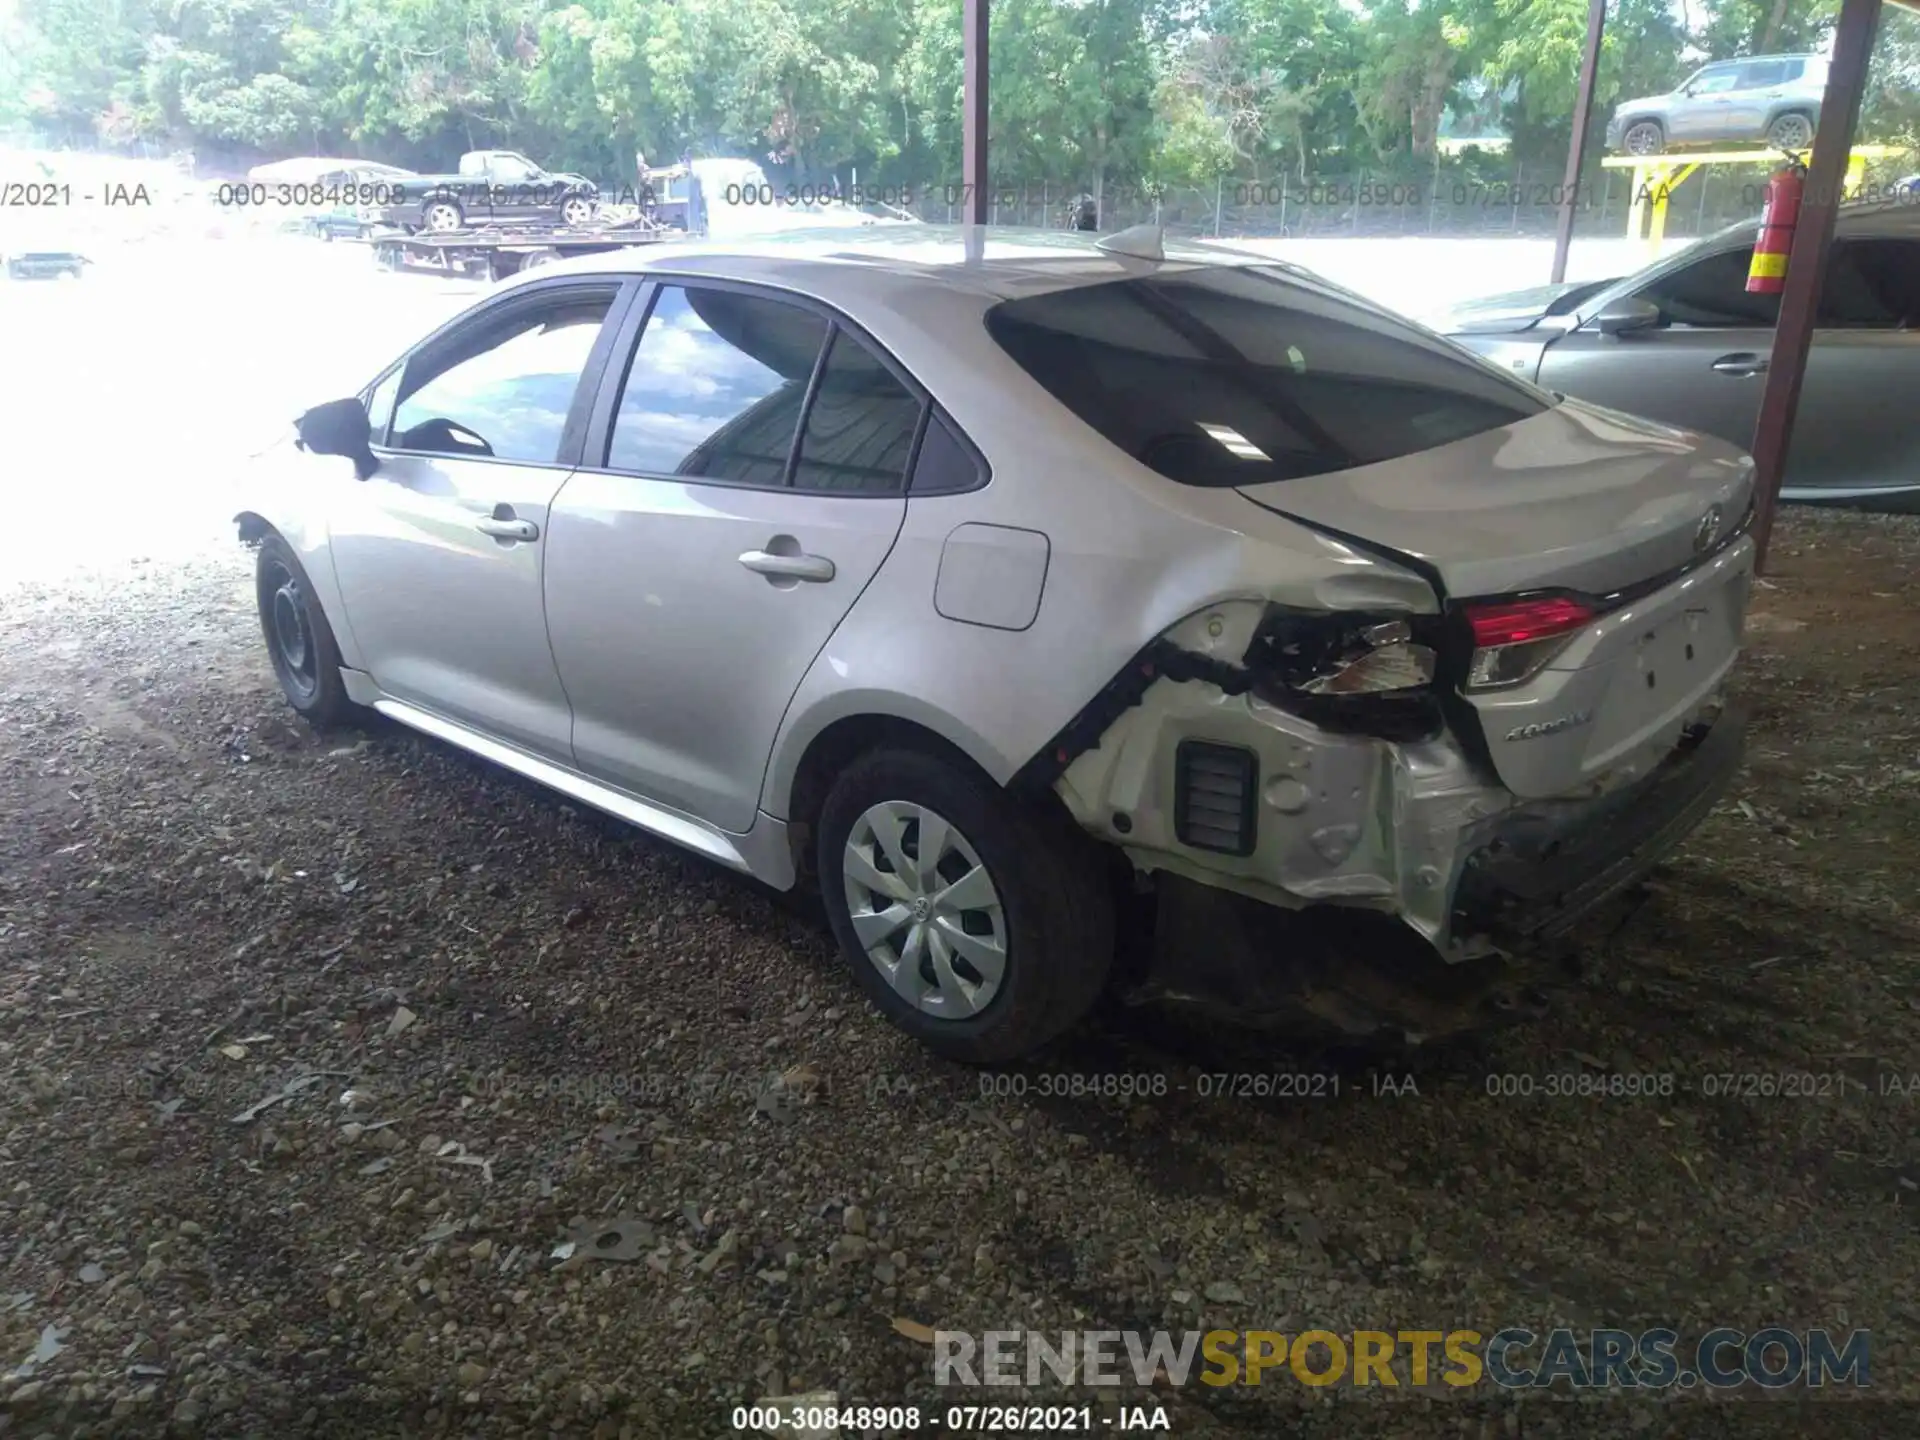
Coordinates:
[1761,73]
[1872,285]
[945,465]
[503,386]
[1239,375]
[1713,292]
[715,387]
[860,426]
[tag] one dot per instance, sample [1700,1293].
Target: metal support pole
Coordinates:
[973,116]
[1807,261]
[1577,146]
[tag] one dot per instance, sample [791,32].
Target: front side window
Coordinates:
[715,387]
[860,426]
[1241,375]
[1711,293]
[512,167]
[502,386]
[380,403]
[1716,82]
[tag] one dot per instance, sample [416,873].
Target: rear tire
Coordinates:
[300,643]
[1034,905]
[1792,131]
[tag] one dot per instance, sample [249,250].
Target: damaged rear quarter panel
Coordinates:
[1130,555]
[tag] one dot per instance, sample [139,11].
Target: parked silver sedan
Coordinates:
[1683,341]
[999,584]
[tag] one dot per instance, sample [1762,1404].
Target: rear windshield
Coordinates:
[1239,375]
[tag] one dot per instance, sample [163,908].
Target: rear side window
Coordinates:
[715,388]
[860,427]
[1761,73]
[1872,285]
[1236,375]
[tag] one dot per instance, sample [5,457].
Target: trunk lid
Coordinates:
[1582,499]
[1577,497]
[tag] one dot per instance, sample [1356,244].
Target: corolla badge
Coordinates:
[1707,530]
[1549,727]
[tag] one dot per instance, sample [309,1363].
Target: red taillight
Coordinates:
[1516,622]
[1513,639]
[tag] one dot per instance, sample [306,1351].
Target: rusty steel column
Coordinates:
[1577,146]
[973,115]
[1807,261]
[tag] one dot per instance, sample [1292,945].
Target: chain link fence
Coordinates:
[1457,203]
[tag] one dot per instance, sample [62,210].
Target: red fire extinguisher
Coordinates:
[1767,274]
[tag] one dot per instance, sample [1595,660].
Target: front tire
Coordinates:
[1644,137]
[441,216]
[981,927]
[300,643]
[576,210]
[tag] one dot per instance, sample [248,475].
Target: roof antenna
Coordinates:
[1142,242]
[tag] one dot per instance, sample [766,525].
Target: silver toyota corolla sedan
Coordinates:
[1026,591]
[1684,342]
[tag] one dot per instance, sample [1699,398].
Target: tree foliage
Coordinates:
[1086,92]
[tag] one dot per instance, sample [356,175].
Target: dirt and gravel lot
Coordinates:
[314,1048]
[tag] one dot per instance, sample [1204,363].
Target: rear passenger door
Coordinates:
[1854,430]
[744,480]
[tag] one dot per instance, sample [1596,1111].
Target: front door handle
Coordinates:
[505,529]
[816,568]
[1744,363]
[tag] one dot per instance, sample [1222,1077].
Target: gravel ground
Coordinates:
[314,1049]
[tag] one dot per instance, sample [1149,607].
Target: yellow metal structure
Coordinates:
[1656,177]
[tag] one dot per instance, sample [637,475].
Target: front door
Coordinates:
[440,555]
[748,494]
[1703,367]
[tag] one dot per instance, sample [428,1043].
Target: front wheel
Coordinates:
[441,216]
[978,925]
[300,643]
[576,210]
[1644,137]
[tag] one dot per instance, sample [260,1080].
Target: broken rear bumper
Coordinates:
[1541,869]
[1524,877]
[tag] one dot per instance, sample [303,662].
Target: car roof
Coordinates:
[1000,263]
[1893,219]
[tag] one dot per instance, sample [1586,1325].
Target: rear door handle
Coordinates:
[503,529]
[1744,363]
[816,568]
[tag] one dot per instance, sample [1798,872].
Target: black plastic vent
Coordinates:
[1213,796]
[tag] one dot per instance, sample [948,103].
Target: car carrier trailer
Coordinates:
[497,251]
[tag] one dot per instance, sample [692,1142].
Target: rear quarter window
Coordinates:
[1237,375]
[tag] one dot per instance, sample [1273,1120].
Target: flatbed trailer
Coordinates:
[497,251]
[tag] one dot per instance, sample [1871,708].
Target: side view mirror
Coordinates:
[339,427]
[1619,317]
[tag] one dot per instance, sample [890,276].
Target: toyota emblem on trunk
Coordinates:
[1705,532]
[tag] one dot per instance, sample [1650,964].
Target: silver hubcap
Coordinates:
[925,910]
[443,217]
[1643,140]
[1791,133]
